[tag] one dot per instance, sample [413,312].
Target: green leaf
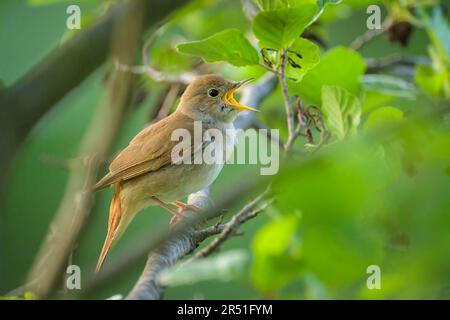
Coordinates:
[373,100]
[340,66]
[389,85]
[347,253]
[322,3]
[276,263]
[269,4]
[169,60]
[277,29]
[279,4]
[357,4]
[28,295]
[341,111]
[302,57]
[224,267]
[430,81]
[334,190]
[382,117]
[229,45]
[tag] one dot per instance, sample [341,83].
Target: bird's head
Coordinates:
[211,97]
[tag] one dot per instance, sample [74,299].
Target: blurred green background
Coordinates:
[322,203]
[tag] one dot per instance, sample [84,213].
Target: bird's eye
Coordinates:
[213,92]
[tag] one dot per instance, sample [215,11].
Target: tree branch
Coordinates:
[249,211]
[250,9]
[146,288]
[292,132]
[74,209]
[369,35]
[26,101]
[29,98]
[287,104]
[396,64]
[149,70]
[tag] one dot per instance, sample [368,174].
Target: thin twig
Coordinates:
[184,78]
[291,139]
[250,9]
[203,234]
[369,35]
[394,60]
[270,135]
[248,212]
[148,69]
[170,98]
[287,104]
[147,287]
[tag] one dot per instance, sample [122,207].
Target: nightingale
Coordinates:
[144,173]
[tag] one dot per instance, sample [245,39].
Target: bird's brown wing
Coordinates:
[148,151]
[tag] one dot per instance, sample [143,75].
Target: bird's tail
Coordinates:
[117,224]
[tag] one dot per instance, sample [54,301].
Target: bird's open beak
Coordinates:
[230,99]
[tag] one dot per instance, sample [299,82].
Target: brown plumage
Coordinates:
[149,150]
[144,174]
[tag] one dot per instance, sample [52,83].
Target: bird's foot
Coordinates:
[182,208]
[175,214]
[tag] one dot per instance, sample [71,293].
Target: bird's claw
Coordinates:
[182,208]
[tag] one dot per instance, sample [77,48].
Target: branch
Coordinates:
[74,209]
[149,70]
[29,98]
[146,288]
[397,64]
[249,211]
[205,233]
[369,35]
[163,109]
[26,101]
[292,132]
[287,104]
[250,9]
[272,137]
[132,255]
[158,76]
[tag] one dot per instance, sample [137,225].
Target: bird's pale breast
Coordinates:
[174,182]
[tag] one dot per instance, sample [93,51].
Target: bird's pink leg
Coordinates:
[182,207]
[176,214]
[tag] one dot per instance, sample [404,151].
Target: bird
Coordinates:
[145,174]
